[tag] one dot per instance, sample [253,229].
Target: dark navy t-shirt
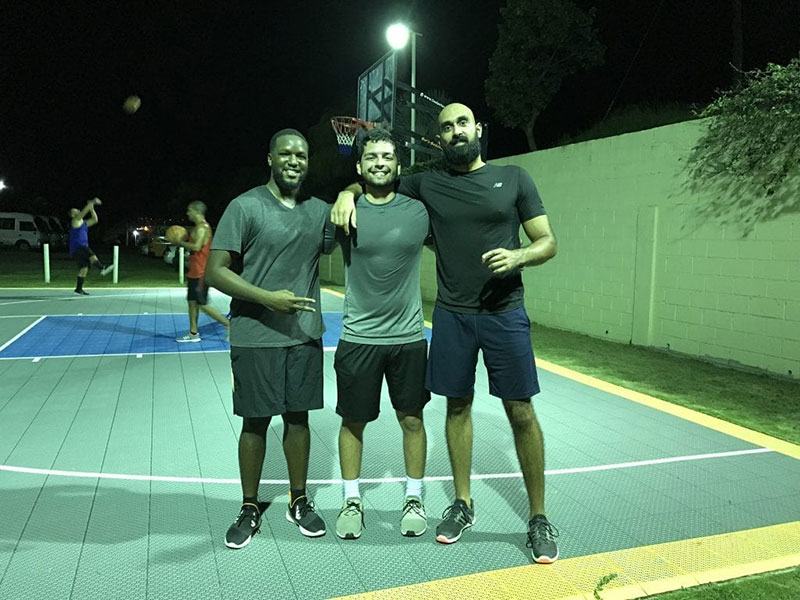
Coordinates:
[470,214]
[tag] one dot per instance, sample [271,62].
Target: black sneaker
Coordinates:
[302,514]
[457,517]
[244,527]
[541,540]
[81,292]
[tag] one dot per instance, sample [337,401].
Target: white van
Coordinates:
[23,230]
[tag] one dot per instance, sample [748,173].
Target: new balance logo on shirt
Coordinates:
[499,184]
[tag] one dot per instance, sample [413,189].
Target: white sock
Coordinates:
[351,488]
[413,487]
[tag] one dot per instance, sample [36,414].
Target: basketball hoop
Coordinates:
[346,129]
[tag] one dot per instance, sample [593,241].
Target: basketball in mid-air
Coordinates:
[131,104]
[176,233]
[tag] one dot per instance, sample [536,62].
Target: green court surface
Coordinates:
[119,477]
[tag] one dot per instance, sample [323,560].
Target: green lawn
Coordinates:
[26,269]
[757,401]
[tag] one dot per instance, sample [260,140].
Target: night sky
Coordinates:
[217,79]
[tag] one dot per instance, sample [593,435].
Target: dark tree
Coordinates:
[541,43]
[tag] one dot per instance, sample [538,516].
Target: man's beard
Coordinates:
[462,155]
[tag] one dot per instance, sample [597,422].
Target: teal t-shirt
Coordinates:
[383,302]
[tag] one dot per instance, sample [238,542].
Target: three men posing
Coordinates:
[475,213]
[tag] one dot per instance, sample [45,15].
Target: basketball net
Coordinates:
[346,129]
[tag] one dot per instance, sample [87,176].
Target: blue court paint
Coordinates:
[72,335]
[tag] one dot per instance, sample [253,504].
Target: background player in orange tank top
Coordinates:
[198,244]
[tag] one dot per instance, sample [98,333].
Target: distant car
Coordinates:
[172,257]
[23,231]
[158,243]
[59,237]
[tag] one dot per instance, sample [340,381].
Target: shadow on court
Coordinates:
[119,516]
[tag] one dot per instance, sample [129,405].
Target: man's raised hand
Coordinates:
[286,302]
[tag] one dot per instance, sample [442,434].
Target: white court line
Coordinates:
[95,295]
[23,332]
[171,479]
[187,351]
[92,315]
[136,354]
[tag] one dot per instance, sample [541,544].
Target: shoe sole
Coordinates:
[233,546]
[445,540]
[411,533]
[348,536]
[188,341]
[303,530]
[545,560]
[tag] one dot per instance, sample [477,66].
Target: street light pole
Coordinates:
[397,36]
[413,94]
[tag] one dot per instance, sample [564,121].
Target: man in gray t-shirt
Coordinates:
[383,332]
[265,256]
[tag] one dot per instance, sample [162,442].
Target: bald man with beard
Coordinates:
[476,210]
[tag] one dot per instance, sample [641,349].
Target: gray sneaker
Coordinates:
[457,517]
[189,337]
[350,520]
[413,522]
[106,270]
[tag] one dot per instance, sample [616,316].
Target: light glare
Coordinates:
[397,35]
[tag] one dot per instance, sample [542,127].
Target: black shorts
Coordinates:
[360,369]
[83,256]
[273,381]
[197,291]
[504,340]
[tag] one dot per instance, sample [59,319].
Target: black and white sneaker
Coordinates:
[302,514]
[542,540]
[244,527]
[457,517]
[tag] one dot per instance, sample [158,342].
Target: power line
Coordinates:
[630,66]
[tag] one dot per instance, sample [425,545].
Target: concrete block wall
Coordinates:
[638,262]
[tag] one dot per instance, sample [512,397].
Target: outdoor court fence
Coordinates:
[115,272]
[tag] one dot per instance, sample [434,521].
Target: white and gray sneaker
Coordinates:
[189,337]
[350,521]
[413,523]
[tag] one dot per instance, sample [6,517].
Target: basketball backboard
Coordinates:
[386,100]
[376,91]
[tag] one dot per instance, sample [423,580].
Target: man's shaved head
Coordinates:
[453,111]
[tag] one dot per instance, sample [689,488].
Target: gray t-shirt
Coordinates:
[383,303]
[278,249]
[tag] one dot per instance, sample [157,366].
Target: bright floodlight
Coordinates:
[397,35]
[2,184]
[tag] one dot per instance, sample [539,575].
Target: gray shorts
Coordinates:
[273,381]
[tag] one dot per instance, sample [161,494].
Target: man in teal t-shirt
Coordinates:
[383,332]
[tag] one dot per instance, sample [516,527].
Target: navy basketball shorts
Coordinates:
[504,339]
[83,256]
